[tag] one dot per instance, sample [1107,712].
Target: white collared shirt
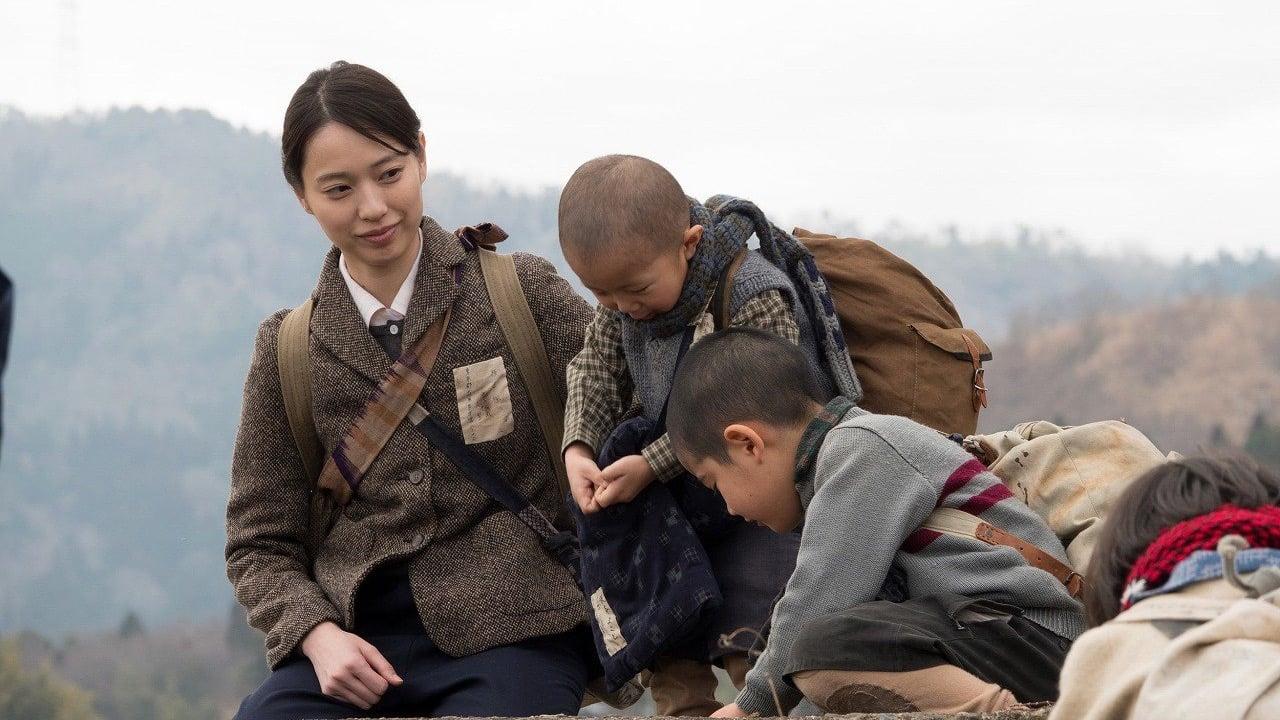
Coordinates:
[366,303]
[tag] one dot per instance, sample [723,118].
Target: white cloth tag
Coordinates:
[484,401]
[610,630]
[704,326]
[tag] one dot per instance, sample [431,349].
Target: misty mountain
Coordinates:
[1174,371]
[147,246]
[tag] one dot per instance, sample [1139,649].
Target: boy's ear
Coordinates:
[302,200]
[744,441]
[689,243]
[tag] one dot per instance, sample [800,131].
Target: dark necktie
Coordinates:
[386,327]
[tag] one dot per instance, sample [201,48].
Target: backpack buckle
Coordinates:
[979,388]
[1074,583]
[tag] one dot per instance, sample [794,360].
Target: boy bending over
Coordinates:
[977,626]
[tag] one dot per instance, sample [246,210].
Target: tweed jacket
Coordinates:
[480,577]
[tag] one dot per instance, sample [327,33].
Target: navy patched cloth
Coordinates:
[671,571]
[647,577]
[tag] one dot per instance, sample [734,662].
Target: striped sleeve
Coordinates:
[867,499]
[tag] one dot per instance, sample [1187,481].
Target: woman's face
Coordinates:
[367,198]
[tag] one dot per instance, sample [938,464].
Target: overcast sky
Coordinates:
[1130,125]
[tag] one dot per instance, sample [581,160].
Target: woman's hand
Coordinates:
[730,711]
[584,476]
[624,479]
[347,667]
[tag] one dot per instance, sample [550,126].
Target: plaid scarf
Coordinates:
[390,403]
[1260,526]
[815,433]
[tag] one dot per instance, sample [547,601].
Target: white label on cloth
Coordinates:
[484,401]
[610,630]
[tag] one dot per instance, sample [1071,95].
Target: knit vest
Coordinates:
[652,361]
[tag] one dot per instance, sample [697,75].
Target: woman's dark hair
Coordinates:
[1158,499]
[361,98]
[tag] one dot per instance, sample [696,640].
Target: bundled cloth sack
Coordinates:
[1068,475]
[644,570]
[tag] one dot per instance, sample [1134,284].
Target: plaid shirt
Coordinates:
[600,384]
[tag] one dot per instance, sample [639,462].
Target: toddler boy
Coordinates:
[653,258]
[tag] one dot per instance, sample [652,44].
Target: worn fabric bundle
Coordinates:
[646,575]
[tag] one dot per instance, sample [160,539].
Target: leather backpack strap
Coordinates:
[979,383]
[959,522]
[722,299]
[293,360]
[511,308]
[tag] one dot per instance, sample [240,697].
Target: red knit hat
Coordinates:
[1260,526]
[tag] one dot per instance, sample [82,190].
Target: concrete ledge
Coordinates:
[1036,714]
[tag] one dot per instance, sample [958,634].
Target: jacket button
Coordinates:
[416,539]
[416,476]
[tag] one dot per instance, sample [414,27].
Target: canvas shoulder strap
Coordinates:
[516,320]
[958,522]
[293,360]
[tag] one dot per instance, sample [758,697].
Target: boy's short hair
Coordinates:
[621,198]
[736,375]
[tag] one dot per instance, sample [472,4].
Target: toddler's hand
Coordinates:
[624,479]
[584,476]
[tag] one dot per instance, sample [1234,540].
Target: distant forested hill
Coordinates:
[1194,373]
[147,246]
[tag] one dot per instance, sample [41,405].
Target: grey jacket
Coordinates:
[876,478]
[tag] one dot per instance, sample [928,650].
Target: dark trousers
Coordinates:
[990,640]
[539,676]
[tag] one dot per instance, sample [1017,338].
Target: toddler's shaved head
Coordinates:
[621,202]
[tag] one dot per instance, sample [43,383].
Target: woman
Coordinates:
[424,598]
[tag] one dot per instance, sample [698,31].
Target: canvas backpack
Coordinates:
[1070,476]
[911,355]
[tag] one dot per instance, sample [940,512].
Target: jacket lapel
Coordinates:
[434,289]
[336,322]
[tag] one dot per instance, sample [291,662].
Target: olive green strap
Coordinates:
[293,358]
[511,307]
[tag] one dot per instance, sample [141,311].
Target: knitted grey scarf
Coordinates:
[728,222]
[720,244]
